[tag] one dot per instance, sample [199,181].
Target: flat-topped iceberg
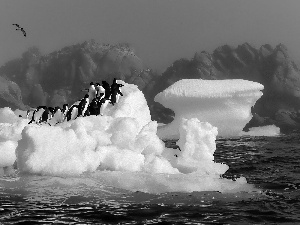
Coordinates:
[225,104]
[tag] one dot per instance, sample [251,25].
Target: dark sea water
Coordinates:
[272,164]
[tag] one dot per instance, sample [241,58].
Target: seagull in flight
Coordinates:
[20,28]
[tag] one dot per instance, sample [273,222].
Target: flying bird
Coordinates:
[20,28]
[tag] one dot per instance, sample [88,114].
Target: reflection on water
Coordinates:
[271,164]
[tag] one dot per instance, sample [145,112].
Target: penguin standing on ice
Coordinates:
[94,107]
[106,86]
[58,115]
[64,111]
[72,113]
[115,92]
[47,115]
[99,91]
[103,104]
[83,105]
[91,91]
[37,113]
[27,114]
[119,92]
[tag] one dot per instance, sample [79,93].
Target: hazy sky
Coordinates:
[160,31]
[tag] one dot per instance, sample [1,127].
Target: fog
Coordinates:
[160,31]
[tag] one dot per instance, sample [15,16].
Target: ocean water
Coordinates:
[272,164]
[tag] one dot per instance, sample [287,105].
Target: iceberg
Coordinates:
[225,104]
[120,148]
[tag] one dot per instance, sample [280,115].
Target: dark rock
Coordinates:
[272,67]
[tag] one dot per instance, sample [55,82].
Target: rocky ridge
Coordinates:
[272,67]
[58,77]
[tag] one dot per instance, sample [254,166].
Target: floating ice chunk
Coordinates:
[197,145]
[225,104]
[270,130]
[162,182]
[122,149]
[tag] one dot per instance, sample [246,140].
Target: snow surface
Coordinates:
[120,148]
[226,104]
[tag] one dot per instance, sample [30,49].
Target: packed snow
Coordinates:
[121,148]
[226,104]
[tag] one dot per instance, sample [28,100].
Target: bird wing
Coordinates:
[16,24]
[24,32]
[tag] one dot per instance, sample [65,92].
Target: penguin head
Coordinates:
[92,83]
[51,109]
[86,96]
[97,84]
[56,109]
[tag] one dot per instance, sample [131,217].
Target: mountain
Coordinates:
[272,67]
[58,78]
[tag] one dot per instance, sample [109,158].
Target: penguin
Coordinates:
[51,110]
[103,104]
[83,105]
[120,90]
[115,92]
[106,86]
[91,91]
[72,113]
[64,111]
[119,93]
[100,90]
[94,107]
[46,116]
[65,108]
[27,114]
[58,115]
[37,113]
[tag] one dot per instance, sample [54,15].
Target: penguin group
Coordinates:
[93,103]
